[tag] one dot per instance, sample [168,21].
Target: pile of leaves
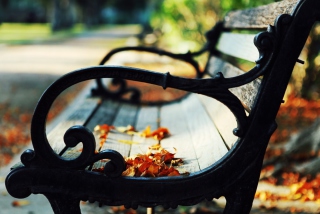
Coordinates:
[301,189]
[156,162]
[152,164]
[15,124]
[295,114]
[14,134]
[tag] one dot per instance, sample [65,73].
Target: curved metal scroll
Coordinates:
[44,154]
[217,87]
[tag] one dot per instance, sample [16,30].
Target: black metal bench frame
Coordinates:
[235,176]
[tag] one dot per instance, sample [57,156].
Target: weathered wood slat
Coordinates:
[115,141]
[259,17]
[207,141]
[105,114]
[222,118]
[78,117]
[126,116]
[173,118]
[238,45]
[147,116]
[245,93]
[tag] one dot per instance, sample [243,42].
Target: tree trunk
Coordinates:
[63,15]
[310,85]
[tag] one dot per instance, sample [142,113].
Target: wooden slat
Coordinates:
[238,45]
[125,116]
[180,136]
[78,117]
[259,17]
[222,118]
[105,114]
[147,116]
[207,141]
[245,93]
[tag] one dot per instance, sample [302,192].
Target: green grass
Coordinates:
[22,33]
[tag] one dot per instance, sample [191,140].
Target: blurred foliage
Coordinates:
[188,20]
[311,81]
[228,5]
[183,23]
[25,33]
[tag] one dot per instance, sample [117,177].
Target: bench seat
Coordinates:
[189,122]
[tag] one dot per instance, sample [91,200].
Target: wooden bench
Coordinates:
[222,140]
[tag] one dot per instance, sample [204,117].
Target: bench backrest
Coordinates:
[236,43]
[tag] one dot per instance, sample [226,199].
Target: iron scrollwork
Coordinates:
[45,156]
[215,87]
[101,90]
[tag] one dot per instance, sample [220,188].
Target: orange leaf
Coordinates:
[20,203]
[129,172]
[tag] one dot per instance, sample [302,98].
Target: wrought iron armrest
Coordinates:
[44,156]
[135,97]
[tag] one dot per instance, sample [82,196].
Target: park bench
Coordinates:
[220,128]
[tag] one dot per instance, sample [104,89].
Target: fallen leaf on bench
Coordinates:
[153,164]
[125,129]
[104,131]
[130,171]
[103,128]
[20,203]
[156,146]
[157,134]
[129,142]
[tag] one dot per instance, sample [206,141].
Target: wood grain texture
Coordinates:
[222,118]
[208,144]
[105,114]
[238,45]
[245,93]
[126,115]
[147,116]
[78,117]
[259,17]
[173,118]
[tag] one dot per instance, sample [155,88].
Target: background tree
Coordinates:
[311,81]
[3,6]
[63,14]
[92,11]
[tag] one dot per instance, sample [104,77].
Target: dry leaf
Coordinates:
[156,146]
[20,203]
[126,129]
[129,142]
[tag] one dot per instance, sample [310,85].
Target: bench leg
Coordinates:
[240,201]
[240,198]
[62,204]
